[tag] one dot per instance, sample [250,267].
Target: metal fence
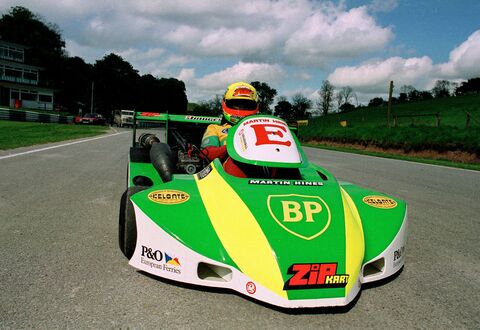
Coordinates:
[30,116]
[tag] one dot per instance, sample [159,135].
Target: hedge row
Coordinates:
[407,138]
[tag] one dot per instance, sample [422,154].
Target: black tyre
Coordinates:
[121,222]
[127,228]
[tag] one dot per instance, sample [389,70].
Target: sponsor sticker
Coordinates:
[212,119]
[398,256]
[160,260]
[251,287]
[150,114]
[167,196]
[317,275]
[263,182]
[304,216]
[380,202]
[203,173]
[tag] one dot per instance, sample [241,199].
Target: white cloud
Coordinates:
[133,54]
[375,76]
[464,61]
[186,75]
[207,86]
[420,72]
[325,36]
[270,73]
[285,31]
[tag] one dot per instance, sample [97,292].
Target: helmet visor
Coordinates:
[241,104]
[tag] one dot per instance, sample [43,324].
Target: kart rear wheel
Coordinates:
[127,227]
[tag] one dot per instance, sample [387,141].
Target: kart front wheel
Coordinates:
[127,226]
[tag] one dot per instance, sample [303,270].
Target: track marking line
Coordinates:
[59,146]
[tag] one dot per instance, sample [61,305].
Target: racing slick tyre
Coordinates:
[127,227]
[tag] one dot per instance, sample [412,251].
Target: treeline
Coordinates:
[114,82]
[442,88]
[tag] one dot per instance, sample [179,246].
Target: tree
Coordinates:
[283,109]
[162,95]
[171,96]
[212,107]
[266,94]
[75,84]
[346,107]
[468,87]
[115,84]
[413,95]
[300,105]
[376,102]
[441,89]
[345,95]
[425,95]
[326,97]
[44,41]
[402,97]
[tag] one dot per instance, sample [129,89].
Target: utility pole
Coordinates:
[389,109]
[91,99]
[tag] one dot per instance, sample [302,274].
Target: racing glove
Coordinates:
[215,152]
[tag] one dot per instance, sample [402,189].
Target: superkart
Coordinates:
[287,234]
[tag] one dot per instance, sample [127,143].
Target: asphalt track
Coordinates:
[61,266]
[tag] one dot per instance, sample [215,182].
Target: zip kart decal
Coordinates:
[315,275]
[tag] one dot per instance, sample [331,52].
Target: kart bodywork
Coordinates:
[298,238]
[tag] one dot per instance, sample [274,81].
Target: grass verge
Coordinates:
[22,134]
[442,162]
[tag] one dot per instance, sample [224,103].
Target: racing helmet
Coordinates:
[240,100]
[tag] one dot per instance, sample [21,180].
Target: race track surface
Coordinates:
[61,266]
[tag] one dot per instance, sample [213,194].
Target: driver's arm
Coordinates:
[211,146]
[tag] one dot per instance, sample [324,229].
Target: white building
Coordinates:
[19,81]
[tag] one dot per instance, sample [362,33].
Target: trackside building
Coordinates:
[19,81]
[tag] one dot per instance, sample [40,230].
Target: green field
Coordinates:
[21,134]
[368,126]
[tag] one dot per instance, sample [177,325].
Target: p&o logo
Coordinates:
[304,216]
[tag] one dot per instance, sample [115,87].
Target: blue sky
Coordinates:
[291,45]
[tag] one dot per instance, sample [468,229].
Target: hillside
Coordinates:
[416,129]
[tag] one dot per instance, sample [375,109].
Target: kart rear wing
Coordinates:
[165,119]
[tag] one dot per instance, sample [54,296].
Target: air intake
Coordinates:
[374,268]
[215,273]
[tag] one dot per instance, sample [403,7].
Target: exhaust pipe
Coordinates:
[160,155]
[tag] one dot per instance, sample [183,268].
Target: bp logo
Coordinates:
[304,216]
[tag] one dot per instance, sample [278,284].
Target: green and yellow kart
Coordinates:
[286,233]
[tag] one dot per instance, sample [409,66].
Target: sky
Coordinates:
[292,45]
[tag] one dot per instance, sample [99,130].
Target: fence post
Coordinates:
[467,125]
[438,119]
[389,107]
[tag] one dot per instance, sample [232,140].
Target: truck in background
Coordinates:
[123,118]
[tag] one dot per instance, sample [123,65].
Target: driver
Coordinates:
[240,100]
